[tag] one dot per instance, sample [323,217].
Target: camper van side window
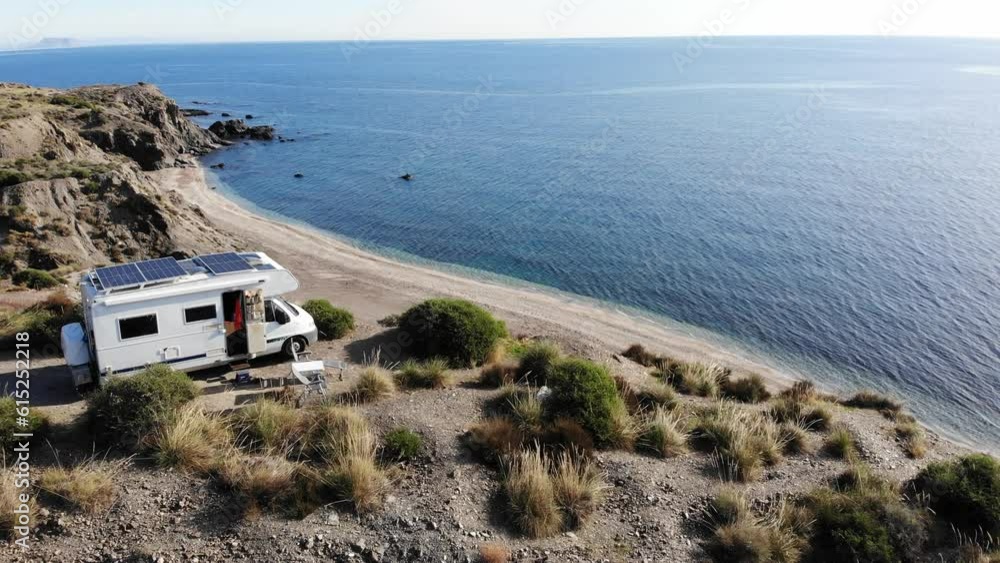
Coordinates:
[135,327]
[198,314]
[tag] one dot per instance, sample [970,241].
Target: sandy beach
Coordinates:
[373,286]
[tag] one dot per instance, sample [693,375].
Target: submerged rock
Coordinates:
[238,129]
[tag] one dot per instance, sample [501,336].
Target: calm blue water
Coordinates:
[833,203]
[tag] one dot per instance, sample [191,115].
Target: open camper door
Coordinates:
[256,323]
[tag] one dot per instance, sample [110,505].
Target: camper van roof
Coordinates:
[162,271]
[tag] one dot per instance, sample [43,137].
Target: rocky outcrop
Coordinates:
[74,187]
[238,129]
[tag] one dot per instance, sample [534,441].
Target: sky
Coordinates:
[26,21]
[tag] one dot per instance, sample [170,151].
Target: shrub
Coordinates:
[840,443]
[663,434]
[584,391]
[42,321]
[88,487]
[263,480]
[37,424]
[494,438]
[498,374]
[538,359]
[268,426]
[403,444]
[373,384]
[457,330]
[874,401]
[35,279]
[853,526]
[493,553]
[193,440]
[750,389]
[12,178]
[432,374]
[911,436]
[579,488]
[965,492]
[127,409]
[8,264]
[333,323]
[531,497]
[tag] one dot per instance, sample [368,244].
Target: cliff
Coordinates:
[74,188]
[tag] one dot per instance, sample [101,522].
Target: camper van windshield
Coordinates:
[288,306]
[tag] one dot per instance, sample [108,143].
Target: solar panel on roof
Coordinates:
[161,269]
[225,263]
[120,276]
[266,267]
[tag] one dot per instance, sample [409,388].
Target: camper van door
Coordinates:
[256,324]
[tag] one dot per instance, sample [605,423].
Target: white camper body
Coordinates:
[189,314]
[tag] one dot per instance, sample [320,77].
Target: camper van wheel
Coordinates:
[294,345]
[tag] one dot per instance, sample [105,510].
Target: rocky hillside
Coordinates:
[74,188]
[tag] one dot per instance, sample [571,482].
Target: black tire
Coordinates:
[296,343]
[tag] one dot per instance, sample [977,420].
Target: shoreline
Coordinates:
[373,285]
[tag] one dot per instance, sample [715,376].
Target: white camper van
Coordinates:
[189,314]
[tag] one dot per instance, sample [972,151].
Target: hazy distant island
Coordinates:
[646,445]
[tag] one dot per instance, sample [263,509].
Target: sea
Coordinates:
[828,205]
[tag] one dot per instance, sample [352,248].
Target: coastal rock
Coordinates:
[195,112]
[238,129]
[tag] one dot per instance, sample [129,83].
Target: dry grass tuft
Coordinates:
[374,383]
[912,438]
[498,374]
[268,426]
[703,380]
[743,441]
[656,394]
[494,438]
[493,553]
[263,480]
[872,400]
[840,443]
[531,496]
[526,411]
[738,534]
[568,434]
[356,479]
[193,440]
[795,438]
[579,488]
[328,427]
[664,434]
[88,487]
[625,429]
[749,389]
[432,374]
[10,505]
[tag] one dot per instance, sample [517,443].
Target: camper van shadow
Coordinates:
[51,385]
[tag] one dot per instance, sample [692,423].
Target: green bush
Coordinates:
[403,444]
[8,265]
[42,321]
[127,409]
[862,525]
[537,361]
[36,424]
[12,178]
[457,330]
[35,279]
[965,492]
[585,392]
[333,323]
